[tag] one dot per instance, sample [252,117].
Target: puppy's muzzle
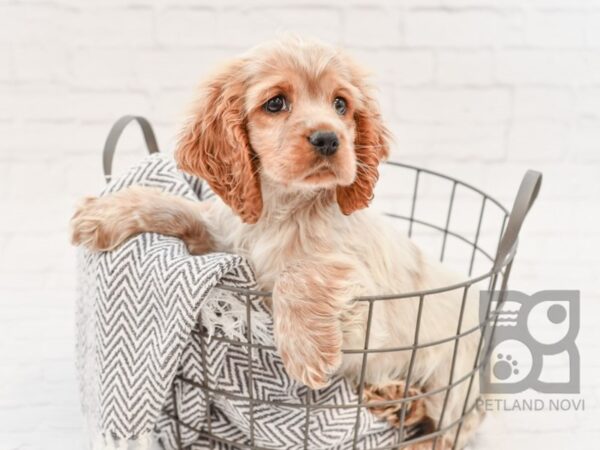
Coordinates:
[325,143]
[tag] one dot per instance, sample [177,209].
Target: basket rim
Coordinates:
[467,283]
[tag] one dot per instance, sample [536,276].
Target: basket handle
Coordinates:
[528,192]
[113,138]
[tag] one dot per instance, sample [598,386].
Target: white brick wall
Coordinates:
[480,89]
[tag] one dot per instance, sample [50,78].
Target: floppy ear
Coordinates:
[215,145]
[371,146]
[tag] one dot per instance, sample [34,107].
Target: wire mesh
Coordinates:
[480,241]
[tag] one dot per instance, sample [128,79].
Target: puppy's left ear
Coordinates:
[371,146]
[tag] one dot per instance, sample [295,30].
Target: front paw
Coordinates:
[311,360]
[97,226]
[415,413]
[309,298]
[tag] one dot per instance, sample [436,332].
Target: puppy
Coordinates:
[290,138]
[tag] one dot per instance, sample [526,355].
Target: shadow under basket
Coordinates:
[461,225]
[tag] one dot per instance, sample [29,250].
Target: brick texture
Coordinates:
[479,89]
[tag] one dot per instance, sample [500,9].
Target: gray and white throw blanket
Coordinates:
[151,316]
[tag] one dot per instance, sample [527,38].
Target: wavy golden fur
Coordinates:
[215,144]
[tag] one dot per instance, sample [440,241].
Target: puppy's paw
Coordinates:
[85,224]
[309,299]
[98,224]
[416,421]
[311,361]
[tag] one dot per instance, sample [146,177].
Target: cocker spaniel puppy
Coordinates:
[290,138]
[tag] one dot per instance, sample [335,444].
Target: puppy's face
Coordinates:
[301,122]
[297,113]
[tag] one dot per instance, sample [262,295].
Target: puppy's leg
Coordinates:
[103,223]
[457,395]
[417,423]
[308,301]
[416,420]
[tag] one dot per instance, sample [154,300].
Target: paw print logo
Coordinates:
[530,331]
[510,362]
[505,367]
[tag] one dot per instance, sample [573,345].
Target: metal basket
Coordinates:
[490,246]
[496,278]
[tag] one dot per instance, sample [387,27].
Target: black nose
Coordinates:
[324,142]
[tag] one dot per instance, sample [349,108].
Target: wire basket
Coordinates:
[465,227]
[485,247]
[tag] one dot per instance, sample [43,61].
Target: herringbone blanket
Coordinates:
[151,318]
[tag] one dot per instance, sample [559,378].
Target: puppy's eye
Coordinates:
[276,104]
[340,105]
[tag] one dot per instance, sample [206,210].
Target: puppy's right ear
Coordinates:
[215,145]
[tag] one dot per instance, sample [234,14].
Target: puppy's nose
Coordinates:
[325,143]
